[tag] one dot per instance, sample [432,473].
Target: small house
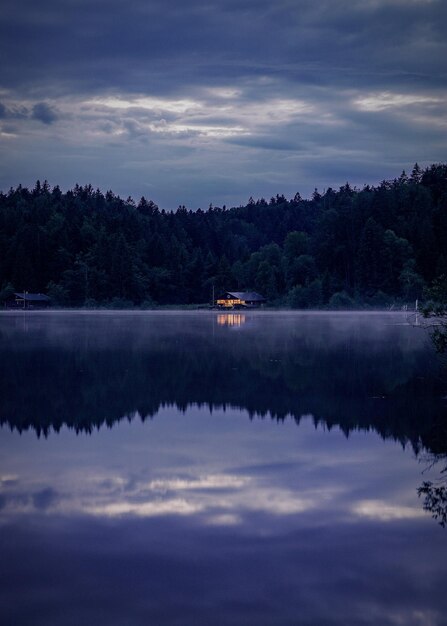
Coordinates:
[28,301]
[236,299]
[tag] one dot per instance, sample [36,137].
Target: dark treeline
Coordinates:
[372,246]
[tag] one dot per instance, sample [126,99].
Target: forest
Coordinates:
[379,246]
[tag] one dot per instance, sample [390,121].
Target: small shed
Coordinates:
[235,299]
[27,300]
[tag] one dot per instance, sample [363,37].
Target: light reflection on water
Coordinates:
[206,512]
[231,319]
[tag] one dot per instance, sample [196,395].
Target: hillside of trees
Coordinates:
[370,247]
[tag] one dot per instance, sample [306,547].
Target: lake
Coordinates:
[203,468]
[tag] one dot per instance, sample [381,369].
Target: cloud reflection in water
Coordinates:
[307,514]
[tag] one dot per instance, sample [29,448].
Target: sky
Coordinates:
[196,102]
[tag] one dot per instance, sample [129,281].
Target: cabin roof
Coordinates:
[250,296]
[33,297]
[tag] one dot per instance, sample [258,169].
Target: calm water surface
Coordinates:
[210,469]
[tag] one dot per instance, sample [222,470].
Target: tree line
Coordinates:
[375,246]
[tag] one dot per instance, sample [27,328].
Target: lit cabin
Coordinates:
[246,299]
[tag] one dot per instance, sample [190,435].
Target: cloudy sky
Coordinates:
[194,101]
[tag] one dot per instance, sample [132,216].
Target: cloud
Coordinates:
[15,111]
[163,49]
[185,99]
[44,113]
[386,100]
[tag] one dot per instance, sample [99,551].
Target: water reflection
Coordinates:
[199,479]
[231,319]
[189,517]
[85,371]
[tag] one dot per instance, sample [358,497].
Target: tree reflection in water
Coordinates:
[357,373]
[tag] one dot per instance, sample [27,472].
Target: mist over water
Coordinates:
[208,468]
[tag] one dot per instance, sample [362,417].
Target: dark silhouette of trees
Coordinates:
[435,313]
[435,493]
[375,246]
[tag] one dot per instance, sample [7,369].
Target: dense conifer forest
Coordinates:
[375,246]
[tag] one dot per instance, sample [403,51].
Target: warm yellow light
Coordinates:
[231,302]
[231,319]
